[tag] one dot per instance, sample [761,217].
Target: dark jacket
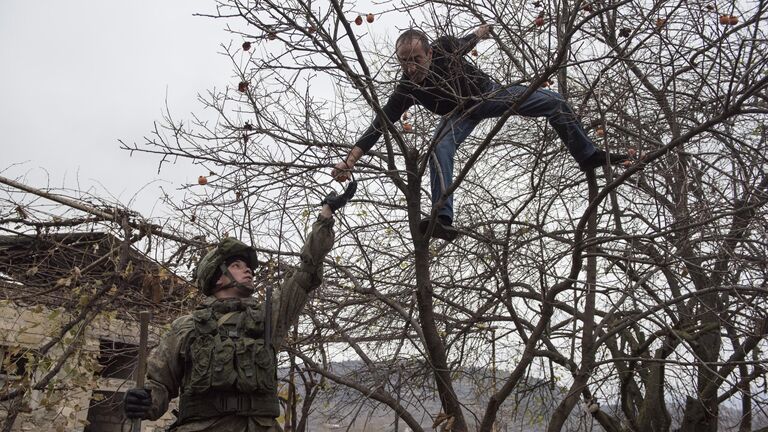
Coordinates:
[452,82]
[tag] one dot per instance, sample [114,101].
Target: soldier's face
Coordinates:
[241,272]
[415,59]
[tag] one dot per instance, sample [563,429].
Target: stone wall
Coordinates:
[63,405]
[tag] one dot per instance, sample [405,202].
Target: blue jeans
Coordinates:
[454,129]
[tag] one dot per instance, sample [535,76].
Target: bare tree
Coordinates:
[640,286]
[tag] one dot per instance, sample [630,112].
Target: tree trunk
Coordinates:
[653,412]
[587,337]
[435,348]
[701,414]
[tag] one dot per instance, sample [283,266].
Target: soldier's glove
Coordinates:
[336,202]
[137,403]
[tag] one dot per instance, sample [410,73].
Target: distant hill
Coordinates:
[340,408]
[528,409]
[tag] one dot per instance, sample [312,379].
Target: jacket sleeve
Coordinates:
[290,301]
[397,104]
[461,46]
[165,366]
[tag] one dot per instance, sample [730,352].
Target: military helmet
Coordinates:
[208,267]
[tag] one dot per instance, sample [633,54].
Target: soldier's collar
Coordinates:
[233,303]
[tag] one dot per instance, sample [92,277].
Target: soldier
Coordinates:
[437,77]
[221,359]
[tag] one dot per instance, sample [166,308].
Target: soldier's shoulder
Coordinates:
[183,324]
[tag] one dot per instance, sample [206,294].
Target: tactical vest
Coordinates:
[229,369]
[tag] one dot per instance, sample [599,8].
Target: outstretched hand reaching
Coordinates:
[335,201]
[484,31]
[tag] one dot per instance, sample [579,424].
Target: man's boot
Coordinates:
[443,228]
[600,158]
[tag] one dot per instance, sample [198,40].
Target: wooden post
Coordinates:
[141,369]
[493,370]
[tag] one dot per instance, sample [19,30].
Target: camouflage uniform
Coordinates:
[216,360]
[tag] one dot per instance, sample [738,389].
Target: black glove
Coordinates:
[336,202]
[137,403]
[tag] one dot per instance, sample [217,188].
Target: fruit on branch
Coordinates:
[625,32]
[632,152]
[660,22]
[405,115]
[407,127]
[627,163]
[369,18]
[243,86]
[587,8]
[311,29]
[729,20]
[359,20]
[246,46]
[734,20]
[474,53]
[600,131]
[539,21]
[202,181]
[271,35]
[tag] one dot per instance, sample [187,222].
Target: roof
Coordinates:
[59,269]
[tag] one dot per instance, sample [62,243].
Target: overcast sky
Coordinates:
[76,76]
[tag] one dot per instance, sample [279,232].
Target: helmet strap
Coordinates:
[232,281]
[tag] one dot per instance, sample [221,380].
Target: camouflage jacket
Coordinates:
[166,366]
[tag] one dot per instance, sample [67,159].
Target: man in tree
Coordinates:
[221,359]
[439,78]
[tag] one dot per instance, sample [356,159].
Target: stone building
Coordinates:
[69,306]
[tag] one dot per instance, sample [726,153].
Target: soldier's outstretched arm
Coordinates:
[309,275]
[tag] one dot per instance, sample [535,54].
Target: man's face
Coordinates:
[415,59]
[242,274]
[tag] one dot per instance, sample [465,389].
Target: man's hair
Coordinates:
[413,34]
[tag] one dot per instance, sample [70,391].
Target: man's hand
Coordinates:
[341,172]
[335,202]
[137,403]
[484,31]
